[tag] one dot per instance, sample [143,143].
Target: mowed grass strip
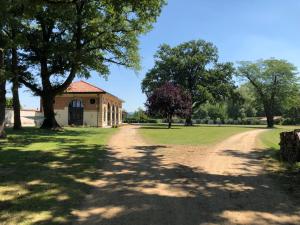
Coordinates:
[195,135]
[44,175]
[271,138]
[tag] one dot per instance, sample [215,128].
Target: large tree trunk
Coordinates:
[270,120]
[188,120]
[49,114]
[15,91]
[269,114]
[2,95]
[169,122]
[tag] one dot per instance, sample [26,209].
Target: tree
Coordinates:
[67,38]
[212,110]
[2,72]
[169,100]
[194,66]
[216,111]
[139,115]
[14,38]
[243,103]
[2,95]
[273,80]
[291,109]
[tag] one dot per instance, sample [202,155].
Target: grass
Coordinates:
[270,140]
[286,175]
[44,175]
[195,135]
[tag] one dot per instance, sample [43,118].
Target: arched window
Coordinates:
[76,103]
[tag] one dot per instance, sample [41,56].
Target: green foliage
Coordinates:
[139,114]
[213,111]
[9,103]
[64,39]
[194,66]
[85,35]
[291,109]
[274,81]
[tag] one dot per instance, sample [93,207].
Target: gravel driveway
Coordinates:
[144,184]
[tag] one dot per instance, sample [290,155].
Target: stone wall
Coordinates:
[29,118]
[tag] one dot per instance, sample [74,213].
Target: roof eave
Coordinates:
[79,92]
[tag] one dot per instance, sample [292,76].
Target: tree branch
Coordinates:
[31,86]
[67,82]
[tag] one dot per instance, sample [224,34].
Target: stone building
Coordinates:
[85,104]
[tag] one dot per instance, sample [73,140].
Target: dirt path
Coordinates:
[142,184]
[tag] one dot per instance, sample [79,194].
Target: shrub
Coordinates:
[290,121]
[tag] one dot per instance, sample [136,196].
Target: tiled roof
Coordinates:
[83,87]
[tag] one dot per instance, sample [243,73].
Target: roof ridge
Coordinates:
[100,89]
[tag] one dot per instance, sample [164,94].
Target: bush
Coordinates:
[134,120]
[290,121]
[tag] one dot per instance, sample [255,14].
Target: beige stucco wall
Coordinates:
[61,116]
[104,115]
[90,118]
[90,111]
[29,118]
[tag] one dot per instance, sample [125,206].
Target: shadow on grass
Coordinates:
[27,136]
[36,181]
[133,190]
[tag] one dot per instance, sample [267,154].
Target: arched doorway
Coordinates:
[108,115]
[76,112]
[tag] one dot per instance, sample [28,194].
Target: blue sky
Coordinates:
[241,29]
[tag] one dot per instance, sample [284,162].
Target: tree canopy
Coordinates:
[194,66]
[68,38]
[169,100]
[2,95]
[274,82]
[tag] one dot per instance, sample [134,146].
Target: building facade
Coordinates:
[86,105]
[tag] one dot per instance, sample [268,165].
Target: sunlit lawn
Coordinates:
[271,138]
[45,175]
[195,135]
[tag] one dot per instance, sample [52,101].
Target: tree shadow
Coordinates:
[136,190]
[44,183]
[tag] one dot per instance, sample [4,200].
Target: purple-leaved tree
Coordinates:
[169,100]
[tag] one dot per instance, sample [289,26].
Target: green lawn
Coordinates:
[44,174]
[271,138]
[286,175]
[195,135]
